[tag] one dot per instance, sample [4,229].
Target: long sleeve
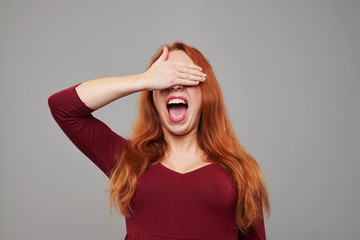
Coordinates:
[257,233]
[90,135]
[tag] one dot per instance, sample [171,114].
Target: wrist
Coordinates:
[140,81]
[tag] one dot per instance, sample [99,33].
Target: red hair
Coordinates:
[215,136]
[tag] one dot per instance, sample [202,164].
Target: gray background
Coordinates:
[289,72]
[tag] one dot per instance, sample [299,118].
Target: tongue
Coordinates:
[177,111]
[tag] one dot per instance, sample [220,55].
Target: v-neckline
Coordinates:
[187,173]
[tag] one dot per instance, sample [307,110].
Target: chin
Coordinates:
[178,131]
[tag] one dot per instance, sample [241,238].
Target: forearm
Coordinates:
[162,74]
[99,92]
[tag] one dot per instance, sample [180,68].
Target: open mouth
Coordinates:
[177,109]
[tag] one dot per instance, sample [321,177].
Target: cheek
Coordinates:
[156,100]
[198,109]
[197,104]
[198,99]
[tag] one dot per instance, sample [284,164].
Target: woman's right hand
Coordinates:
[164,74]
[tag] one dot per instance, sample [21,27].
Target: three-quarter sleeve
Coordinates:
[90,135]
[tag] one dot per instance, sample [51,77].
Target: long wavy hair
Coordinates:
[215,136]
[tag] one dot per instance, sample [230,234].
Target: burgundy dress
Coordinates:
[199,204]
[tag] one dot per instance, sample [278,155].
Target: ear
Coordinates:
[165,54]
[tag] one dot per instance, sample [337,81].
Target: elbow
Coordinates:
[55,103]
[52,100]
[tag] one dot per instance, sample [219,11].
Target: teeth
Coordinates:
[176,101]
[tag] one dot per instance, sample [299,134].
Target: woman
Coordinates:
[184,173]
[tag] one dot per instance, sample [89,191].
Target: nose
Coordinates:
[176,87]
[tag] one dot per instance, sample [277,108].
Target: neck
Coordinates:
[179,145]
